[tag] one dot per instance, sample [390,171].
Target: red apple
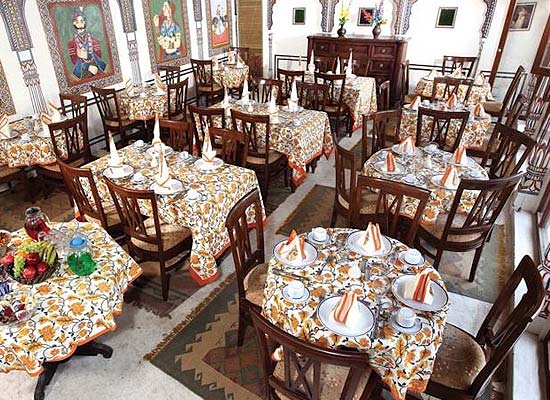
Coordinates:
[7,260]
[42,267]
[32,259]
[29,273]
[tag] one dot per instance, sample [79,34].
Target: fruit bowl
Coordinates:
[32,262]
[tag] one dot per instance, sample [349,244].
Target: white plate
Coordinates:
[173,186]
[399,169]
[402,259]
[353,244]
[359,328]
[396,150]
[470,162]
[152,151]
[312,239]
[441,298]
[208,166]
[311,255]
[436,180]
[299,300]
[400,328]
[250,101]
[122,172]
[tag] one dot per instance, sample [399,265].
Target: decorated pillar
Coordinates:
[270,40]
[197,13]
[327,14]
[401,16]
[129,27]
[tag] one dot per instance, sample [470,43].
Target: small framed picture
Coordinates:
[522,16]
[365,16]
[446,17]
[299,16]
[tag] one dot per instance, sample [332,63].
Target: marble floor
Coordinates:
[128,375]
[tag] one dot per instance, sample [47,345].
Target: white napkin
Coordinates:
[129,85]
[433,73]
[156,131]
[293,248]
[5,127]
[272,102]
[311,65]
[294,92]
[245,97]
[161,86]
[338,67]
[407,146]
[480,79]
[215,63]
[225,103]
[208,154]
[54,112]
[457,73]
[163,175]
[45,120]
[114,158]
[349,68]
[231,57]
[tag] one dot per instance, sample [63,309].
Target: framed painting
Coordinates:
[167,32]
[522,16]
[299,16]
[364,16]
[218,13]
[446,17]
[82,44]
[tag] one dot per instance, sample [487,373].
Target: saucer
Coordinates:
[402,259]
[126,170]
[209,166]
[299,300]
[410,181]
[174,186]
[312,239]
[134,180]
[380,167]
[403,329]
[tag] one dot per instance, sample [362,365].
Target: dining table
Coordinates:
[230,76]
[218,189]
[303,135]
[476,133]
[66,312]
[480,93]
[359,95]
[422,169]
[144,104]
[404,358]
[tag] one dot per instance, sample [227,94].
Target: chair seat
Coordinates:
[459,359]
[368,202]
[124,121]
[334,109]
[273,157]
[111,215]
[54,167]
[333,378]
[210,89]
[6,172]
[172,236]
[254,283]
[492,107]
[437,228]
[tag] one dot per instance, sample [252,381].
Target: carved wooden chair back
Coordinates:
[385,124]
[451,63]
[336,84]
[443,124]
[451,86]
[257,128]
[287,77]
[70,140]
[73,105]
[170,73]
[312,96]
[384,96]
[202,72]
[205,118]
[234,145]
[267,86]
[177,99]
[108,106]
[181,134]
[346,174]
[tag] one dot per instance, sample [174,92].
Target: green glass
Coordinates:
[81,263]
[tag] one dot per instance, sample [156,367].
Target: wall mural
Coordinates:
[6,101]
[167,32]
[82,46]
[218,14]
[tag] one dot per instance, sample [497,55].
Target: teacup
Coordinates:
[192,194]
[25,137]
[413,257]
[406,317]
[354,272]
[138,177]
[426,102]
[296,289]
[319,234]
[139,143]
[184,155]
[117,171]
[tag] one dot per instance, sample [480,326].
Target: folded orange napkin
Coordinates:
[161,86]
[390,162]
[433,73]
[114,158]
[480,79]
[415,103]
[46,120]
[419,289]
[452,101]
[372,239]
[54,112]
[479,111]
[450,178]
[459,156]
[231,57]
[407,146]
[347,309]
[129,87]
[293,248]
[5,127]
[163,175]
[208,154]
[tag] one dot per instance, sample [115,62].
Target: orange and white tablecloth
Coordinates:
[403,361]
[479,93]
[230,76]
[143,105]
[67,310]
[220,190]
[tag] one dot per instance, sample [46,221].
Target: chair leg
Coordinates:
[165,280]
[242,325]
[475,262]
[437,258]
[333,218]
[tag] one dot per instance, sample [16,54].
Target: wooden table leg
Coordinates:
[94,348]
[44,380]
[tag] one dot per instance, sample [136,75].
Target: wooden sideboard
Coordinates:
[383,56]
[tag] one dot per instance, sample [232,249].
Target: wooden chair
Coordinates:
[450,87]
[381,201]
[383,96]
[243,52]
[514,147]
[346,176]
[204,82]
[451,63]
[73,105]
[234,145]
[520,104]
[385,125]
[441,122]
[205,118]
[334,106]
[170,74]
[267,162]
[248,256]
[459,232]
[325,64]
[91,208]
[113,119]
[264,86]
[287,77]
[312,96]
[308,371]
[180,134]
[177,100]
[406,98]
[498,109]
[150,240]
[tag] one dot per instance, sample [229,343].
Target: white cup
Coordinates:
[426,102]
[192,194]
[183,155]
[413,256]
[406,317]
[319,234]
[139,143]
[138,177]
[296,289]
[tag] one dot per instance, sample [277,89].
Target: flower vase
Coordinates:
[376,31]
[341,31]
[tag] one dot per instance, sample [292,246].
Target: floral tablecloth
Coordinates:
[220,190]
[68,311]
[144,105]
[16,153]
[230,76]
[359,96]
[476,132]
[404,361]
[479,93]
[301,136]
[440,200]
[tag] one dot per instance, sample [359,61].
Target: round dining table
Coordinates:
[419,170]
[404,361]
[231,76]
[478,94]
[144,105]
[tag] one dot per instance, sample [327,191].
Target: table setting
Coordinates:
[230,75]
[192,192]
[359,289]
[144,102]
